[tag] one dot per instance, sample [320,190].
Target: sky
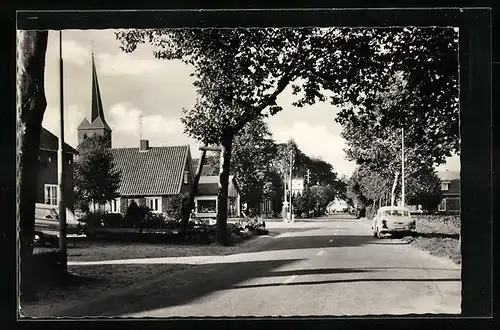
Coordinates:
[138,84]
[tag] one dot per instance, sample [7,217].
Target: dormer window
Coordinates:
[445,186]
[186,177]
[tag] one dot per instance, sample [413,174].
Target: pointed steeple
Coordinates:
[97,110]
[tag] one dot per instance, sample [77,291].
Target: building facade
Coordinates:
[47,185]
[450,189]
[206,197]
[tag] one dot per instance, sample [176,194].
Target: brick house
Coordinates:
[450,189]
[151,175]
[206,197]
[47,188]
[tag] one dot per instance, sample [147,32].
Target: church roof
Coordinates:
[97,117]
[155,172]
[99,123]
[84,124]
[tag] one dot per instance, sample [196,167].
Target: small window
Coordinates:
[114,206]
[50,159]
[154,204]
[186,177]
[445,186]
[207,206]
[84,136]
[50,194]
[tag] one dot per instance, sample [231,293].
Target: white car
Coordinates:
[392,220]
[47,224]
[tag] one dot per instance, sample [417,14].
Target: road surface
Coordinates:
[330,266]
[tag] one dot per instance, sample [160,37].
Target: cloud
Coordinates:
[72,51]
[316,141]
[125,120]
[125,64]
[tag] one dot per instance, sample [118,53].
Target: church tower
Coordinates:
[97,123]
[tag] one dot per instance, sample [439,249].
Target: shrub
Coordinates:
[135,215]
[153,220]
[176,206]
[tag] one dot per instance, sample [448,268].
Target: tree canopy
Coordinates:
[253,151]
[239,73]
[96,178]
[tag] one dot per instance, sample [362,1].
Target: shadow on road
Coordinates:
[312,242]
[350,281]
[177,289]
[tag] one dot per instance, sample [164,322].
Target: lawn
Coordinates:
[438,235]
[88,282]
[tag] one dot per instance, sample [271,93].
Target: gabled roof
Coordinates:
[49,141]
[209,185]
[84,124]
[99,123]
[155,172]
[448,175]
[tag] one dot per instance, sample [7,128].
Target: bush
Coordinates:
[176,206]
[135,215]
[154,221]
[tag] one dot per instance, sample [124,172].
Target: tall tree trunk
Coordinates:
[225,161]
[31,104]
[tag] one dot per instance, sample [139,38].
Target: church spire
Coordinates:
[97,110]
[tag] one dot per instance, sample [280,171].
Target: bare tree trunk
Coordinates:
[393,197]
[225,161]
[31,104]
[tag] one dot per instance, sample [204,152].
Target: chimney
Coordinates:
[144,145]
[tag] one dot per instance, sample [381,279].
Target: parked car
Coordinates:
[392,220]
[47,224]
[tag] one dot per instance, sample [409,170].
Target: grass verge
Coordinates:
[438,235]
[88,282]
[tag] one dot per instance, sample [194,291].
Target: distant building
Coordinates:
[47,188]
[450,189]
[151,175]
[337,205]
[206,197]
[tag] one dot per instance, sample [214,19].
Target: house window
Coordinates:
[442,205]
[186,177]
[113,206]
[50,194]
[84,136]
[154,204]
[445,186]
[207,206]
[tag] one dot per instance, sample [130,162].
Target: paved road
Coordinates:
[330,266]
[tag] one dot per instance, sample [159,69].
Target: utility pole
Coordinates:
[60,166]
[285,206]
[308,176]
[402,167]
[291,171]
